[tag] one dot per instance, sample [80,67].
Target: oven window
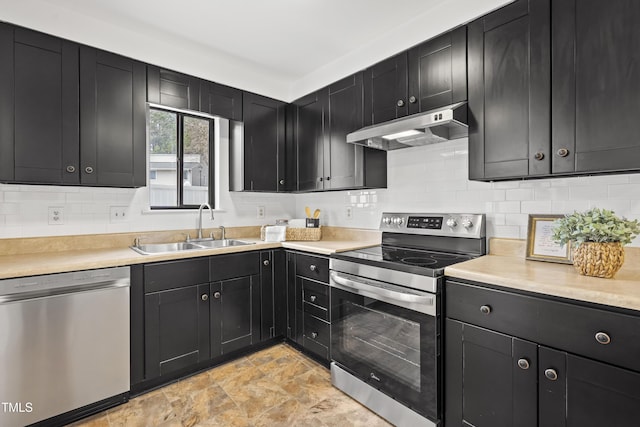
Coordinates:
[387,343]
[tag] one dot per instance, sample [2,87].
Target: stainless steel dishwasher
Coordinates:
[64,343]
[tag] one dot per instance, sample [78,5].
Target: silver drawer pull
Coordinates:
[603,338]
[205,297]
[523,363]
[313,267]
[551,374]
[312,298]
[374,377]
[314,335]
[485,309]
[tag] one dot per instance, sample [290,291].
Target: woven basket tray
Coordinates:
[308,234]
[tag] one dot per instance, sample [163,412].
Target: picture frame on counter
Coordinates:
[540,246]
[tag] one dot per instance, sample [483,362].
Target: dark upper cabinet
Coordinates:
[430,75]
[349,165]
[385,90]
[262,154]
[310,134]
[322,121]
[438,72]
[112,120]
[509,92]
[220,100]
[172,89]
[39,118]
[595,82]
[485,387]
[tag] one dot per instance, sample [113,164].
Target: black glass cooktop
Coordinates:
[427,263]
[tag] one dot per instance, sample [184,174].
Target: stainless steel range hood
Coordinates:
[431,127]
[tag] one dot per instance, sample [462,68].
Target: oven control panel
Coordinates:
[456,225]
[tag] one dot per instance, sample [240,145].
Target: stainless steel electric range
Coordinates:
[386,329]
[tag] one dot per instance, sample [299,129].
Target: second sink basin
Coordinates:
[162,248]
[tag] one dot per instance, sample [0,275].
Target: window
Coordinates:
[180,159]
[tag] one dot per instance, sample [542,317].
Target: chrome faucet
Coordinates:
[202,206]
[222,229]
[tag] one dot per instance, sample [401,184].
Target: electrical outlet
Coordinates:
[118,213]
[349,212]
[260,212]
[56,215]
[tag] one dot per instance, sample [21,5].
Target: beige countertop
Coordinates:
[33,256]
[510,269]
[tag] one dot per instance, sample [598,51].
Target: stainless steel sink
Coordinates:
[163,248]
[221,243]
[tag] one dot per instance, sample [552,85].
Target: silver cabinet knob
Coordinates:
[485,309]
[523,363]
[539,155]
[312,298]
[282,182]
[204,297]
[412,99]
[71,169]
[88,169]
[266,262]
[603,338]
[314,335]
[216,295]
[400,103]
[563,152]
[551,374]
[313,267]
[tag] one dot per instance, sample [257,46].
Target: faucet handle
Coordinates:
[187,237]
[136,241]
[211,235]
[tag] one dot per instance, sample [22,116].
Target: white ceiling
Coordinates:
[279,48]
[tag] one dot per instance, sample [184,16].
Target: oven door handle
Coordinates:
[422,303]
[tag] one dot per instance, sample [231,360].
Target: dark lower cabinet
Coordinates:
[176,329]
[39,118]
[112,120]
[273,294]
[595,82]
[495,378]
[509,92]
[308,322]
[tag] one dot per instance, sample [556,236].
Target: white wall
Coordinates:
[434,179]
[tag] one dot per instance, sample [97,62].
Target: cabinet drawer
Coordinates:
[175,274]
[500,311]
[569,327]
[315,293]
[234,265]
[312,267]
[316,330]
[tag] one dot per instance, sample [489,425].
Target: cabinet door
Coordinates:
[596,82]
[39,117]
[509,92]
[264,143]
[385,90]
[437,72]
[291,297]
[173,89]
[221,100]
[113,120]
[310,135]
[273,295]
[578,392]
[176,329]
[235,314]
[490,378]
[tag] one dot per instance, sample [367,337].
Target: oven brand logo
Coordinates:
[16,407]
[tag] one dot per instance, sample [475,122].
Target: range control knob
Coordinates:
[386,220]
[398,220]
[451,223]
[467,223]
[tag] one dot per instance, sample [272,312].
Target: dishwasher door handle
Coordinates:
[424,303]
[45,293]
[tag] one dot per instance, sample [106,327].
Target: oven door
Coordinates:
[378,335]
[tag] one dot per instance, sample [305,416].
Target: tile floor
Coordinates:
[277,386]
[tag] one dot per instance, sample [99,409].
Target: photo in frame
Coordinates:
[540,246]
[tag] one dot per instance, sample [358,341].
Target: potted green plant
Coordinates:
[598,236]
